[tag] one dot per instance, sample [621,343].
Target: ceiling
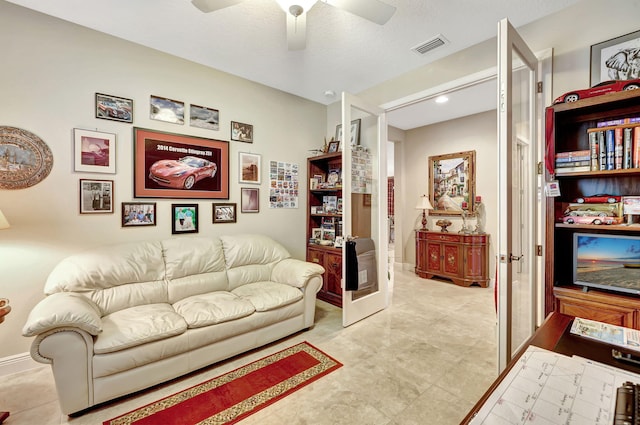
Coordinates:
[343,52]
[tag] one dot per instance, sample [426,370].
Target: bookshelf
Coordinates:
[324,222]
[569,128]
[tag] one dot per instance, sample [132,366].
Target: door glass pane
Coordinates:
[365,200]
[521,277]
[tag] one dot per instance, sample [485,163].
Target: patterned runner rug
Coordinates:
[237,394]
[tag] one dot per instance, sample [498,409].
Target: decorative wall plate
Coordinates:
[25,159]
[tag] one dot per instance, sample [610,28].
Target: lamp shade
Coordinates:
[4,223]
[423,203]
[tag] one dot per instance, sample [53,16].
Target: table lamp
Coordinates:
[4,224]
[424,204]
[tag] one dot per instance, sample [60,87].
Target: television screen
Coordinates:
[607,261]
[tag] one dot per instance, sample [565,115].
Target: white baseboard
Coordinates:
[17,363]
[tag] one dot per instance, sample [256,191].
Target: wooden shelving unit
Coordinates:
[567,126]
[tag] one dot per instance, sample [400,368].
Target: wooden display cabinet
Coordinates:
[463,258]
[566,131]
[329,257]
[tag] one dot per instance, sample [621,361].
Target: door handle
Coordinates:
[513,258]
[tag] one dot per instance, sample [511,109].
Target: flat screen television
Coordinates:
[607,261]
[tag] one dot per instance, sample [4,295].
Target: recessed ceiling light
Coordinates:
[442,99]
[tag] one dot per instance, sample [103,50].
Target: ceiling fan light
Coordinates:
[288,6]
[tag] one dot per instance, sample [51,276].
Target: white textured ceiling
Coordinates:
[344,52]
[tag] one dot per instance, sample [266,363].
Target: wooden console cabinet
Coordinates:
[614,309]
[463,258]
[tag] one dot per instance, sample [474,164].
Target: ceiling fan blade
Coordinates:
[297,31]
[212,5]
[373,10]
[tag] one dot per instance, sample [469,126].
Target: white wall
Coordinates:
[49,75]
[473,133]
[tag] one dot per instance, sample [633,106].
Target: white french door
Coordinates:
[516,283]
[364,216]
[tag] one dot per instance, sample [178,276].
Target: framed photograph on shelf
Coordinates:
[184,218]
[203,117]
[241,132]
[614,59]
[224,213]
[452,183]
[168,165]
[355,132]
[167,110]
[96,196]
[94,151]
[114,108]
[250,200]
[250,167]
[137,214]
[334,146]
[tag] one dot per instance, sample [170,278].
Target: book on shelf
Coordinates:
[636,147]
[602,145]
[620,121]
[576,169]
[618,148]
[572,154]
[594,147]
[611,149]
[573,159]
[628,148]
[573,163]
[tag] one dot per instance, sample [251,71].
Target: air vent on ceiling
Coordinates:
[430,44]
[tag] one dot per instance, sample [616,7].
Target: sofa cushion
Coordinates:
[242,250]
[268,295]
[212,308]
[138,325]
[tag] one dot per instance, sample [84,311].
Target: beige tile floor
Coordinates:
[424,360]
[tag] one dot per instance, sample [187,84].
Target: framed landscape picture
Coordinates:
[168,165]
[203,117]
[452,183]
[184,218]
[109,107]
[96,196]
[224,213]
[94,151]
[167,110]
[250,167]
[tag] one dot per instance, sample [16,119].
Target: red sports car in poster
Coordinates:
[183,173]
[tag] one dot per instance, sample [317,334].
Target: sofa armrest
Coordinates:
[295,272]
[63,309]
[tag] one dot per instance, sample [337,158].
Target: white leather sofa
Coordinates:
[125,317]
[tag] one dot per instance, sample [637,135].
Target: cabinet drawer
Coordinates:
[443,237]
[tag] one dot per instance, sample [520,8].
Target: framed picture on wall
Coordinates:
[184,218]
[96,196]
[616,59]
[203,117]
[167,110]
[241,132]
[138,214]
[355,132]
[168,165]
[114,108]
[94,151]
[452,183]
[250,167]
[224,213]
[250,200]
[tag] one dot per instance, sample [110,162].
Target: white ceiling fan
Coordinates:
[372,10]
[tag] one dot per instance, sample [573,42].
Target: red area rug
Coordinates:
[239,393]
